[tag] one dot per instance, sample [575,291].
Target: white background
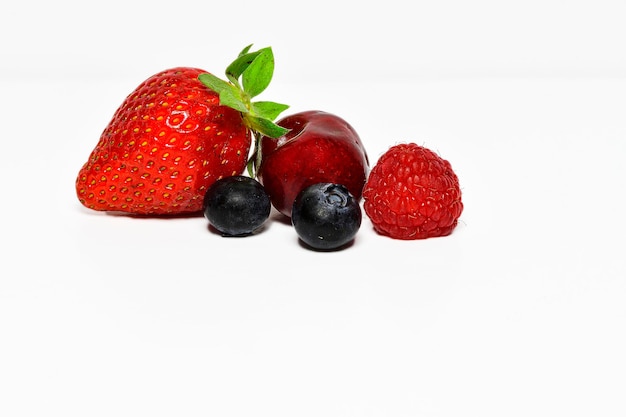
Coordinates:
[520,312]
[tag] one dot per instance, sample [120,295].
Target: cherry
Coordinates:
[319,147]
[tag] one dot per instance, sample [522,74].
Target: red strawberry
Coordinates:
[174,136]
[412,193]
[168,141]
[319,147]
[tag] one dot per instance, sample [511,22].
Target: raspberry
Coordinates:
[412,193]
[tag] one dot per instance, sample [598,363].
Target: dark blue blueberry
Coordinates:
[237,205]
[326,216]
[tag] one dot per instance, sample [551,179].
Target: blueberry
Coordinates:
[326,216]
[237,205]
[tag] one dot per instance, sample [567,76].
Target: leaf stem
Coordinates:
[259,156]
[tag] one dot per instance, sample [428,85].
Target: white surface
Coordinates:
[520,312]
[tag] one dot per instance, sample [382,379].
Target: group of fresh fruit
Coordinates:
[181,142]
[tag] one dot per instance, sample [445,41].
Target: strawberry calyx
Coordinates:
[247,77]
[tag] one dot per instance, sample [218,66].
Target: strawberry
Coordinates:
[412,193]
[175,135]
[319,147]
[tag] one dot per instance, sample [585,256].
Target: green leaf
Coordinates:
[268,109]
[265,127]
[257,76]
[239,65]
[214,83]
[248,76]
[229,94]
[233,100]
[245,50]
